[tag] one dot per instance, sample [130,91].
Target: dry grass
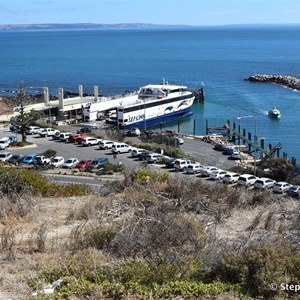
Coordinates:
[58,227]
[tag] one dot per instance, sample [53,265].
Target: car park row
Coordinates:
[189,166]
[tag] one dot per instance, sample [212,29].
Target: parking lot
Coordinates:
[200,150]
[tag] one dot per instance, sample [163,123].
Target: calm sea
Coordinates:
[217,58]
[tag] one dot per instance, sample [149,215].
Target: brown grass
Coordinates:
[137,221]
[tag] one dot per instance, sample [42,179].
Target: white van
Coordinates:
[120,148]
[4,143]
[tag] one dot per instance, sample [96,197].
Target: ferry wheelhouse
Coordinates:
[155,104]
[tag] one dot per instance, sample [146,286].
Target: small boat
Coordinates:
[275,113]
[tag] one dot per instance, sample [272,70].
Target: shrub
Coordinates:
[145,175]
[50,153]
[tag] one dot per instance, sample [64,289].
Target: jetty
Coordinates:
[291,82]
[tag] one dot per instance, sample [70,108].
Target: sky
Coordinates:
[166,12]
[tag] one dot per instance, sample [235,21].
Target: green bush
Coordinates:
[131,280]
[50,153]
[24,180]
[145,175]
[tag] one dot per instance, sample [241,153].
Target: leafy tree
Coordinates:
[24,119]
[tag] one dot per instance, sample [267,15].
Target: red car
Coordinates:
[83,164]
[80,138]
[73,138]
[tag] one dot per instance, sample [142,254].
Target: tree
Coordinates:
[25,119]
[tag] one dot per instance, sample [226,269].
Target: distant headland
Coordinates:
[291,82]
[61,26]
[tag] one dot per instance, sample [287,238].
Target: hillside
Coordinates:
[148,235]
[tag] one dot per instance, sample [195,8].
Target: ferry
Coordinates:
[156,103]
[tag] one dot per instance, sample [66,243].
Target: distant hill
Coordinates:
[81,26]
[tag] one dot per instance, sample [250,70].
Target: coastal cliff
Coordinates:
[284,80]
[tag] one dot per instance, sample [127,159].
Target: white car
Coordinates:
[194,168]
[63,137]
[208,170]
[182,164]
[281,187]
[118,148]
[216,175]
[45,132]
[57,161]
[33,130]
[70,163]
[105,144]
[264,183]
[246,180]
[156,158]
[90,141]
[136,152]
[4,156]
[4,143]
[231,177]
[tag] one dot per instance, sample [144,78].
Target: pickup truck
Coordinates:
[44,132]
[41,160]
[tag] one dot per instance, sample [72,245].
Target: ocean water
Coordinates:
[216,58]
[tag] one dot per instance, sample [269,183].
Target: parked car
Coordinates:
[294,191]
[16,159]
[155,158]
[4,156]
[56,136]
[57,161]
[83,164]
[178,140]
[281,187]
[246,180]
[105,144]
[143,155]
[45,132]
[217,175]
[181,164]
[64,136]
[97,163]
[12,139]
[87,129]
[41,160]
[70,163]
[134,132]
[194,168]
[231,177]
[170,162]
[136,152]
[264,183]
[73,137]
[79,139]
[29,159]
[121,148]
[220,147]
[230,150]
[33,130]
[235,156]
[4,143]
[208,170]
[15,128]
[89,141]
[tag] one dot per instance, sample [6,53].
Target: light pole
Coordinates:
[256,140]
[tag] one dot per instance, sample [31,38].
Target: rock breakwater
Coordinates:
[291,82]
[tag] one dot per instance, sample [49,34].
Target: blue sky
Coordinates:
[174,12]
